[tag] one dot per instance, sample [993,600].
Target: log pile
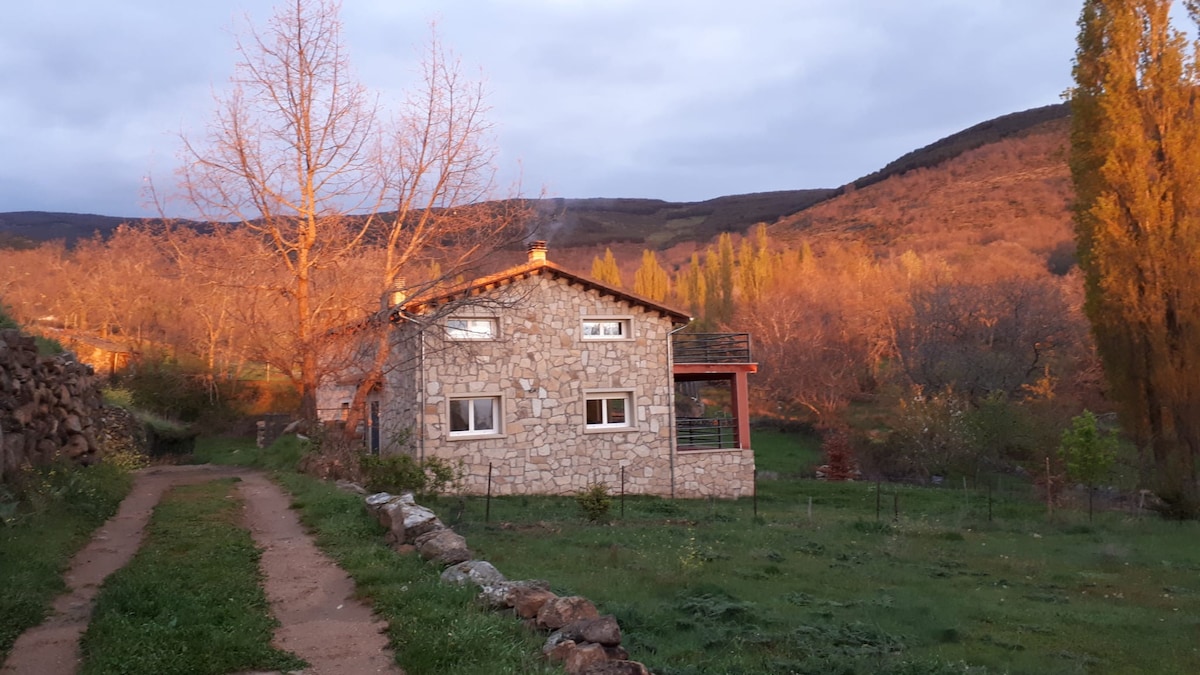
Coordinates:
[49,406]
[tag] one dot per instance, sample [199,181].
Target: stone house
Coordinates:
[537,380]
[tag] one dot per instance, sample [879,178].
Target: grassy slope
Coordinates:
[708,588]
[35,550]
[190,600]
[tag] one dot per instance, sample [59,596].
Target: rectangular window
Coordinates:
[471,329]
[609,410]
[475,416]
[605,329]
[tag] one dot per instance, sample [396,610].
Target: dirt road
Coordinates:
[311,596]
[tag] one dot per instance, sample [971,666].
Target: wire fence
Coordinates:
[770,498]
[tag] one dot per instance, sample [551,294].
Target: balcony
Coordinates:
[716,358]
[691,348]
[706,433]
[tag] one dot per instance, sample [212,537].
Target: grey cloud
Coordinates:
[672,99]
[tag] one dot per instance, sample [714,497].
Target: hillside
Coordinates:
[565,222]
[652,223]
[38,226]
[984,133]
[1010,197]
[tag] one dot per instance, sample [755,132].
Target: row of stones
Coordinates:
[48,406]
[585,642]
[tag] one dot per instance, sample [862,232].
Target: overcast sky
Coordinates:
[675,99]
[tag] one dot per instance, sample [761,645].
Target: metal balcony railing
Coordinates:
[705,433]
[711,348]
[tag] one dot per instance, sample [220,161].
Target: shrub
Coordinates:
[117,397]
[403,473]
[167,388]
[441,475]
[594,501]
[840,463]
[393,473]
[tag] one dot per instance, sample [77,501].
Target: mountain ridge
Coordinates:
[584,222]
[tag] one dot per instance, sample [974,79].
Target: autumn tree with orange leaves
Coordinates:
[1135,163]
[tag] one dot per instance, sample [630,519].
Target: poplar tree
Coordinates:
[651,279]
[1135,163]
[719,277]
[606,270]
[691,287]
[755,264]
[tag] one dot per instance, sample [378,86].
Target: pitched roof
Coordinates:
[540,268]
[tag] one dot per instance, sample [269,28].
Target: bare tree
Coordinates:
[299,154]
[437,165]
[981,337]
[288,155]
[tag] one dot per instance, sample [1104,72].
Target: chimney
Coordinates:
[537,251]
[396,295]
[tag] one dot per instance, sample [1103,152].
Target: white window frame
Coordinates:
[471,330]
[606,395]
[624,322]
[497,402]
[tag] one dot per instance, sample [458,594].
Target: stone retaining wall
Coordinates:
[579,638]
[48,406]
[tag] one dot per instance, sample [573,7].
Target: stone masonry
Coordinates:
[541,369]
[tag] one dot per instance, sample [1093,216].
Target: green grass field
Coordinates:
[708,587]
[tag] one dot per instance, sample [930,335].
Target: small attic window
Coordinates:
[606,328]
[471,329]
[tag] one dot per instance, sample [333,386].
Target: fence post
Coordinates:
[1049,491]
[487,509]
[989,501]
[622,493]
[810,509]
[896,505]
[878,498]
[754,492]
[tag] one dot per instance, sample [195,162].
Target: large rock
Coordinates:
[505,594]
[557,647]
[391,516]
[445,547]
[558,612]
[76,446]
[584,658]
[418,520]
[603,630]
[527,601]
[478,572]
[377,500]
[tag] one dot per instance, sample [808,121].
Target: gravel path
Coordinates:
[310,595]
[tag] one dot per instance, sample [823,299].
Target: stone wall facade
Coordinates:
[541,370]
[714,473]
[48,406]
